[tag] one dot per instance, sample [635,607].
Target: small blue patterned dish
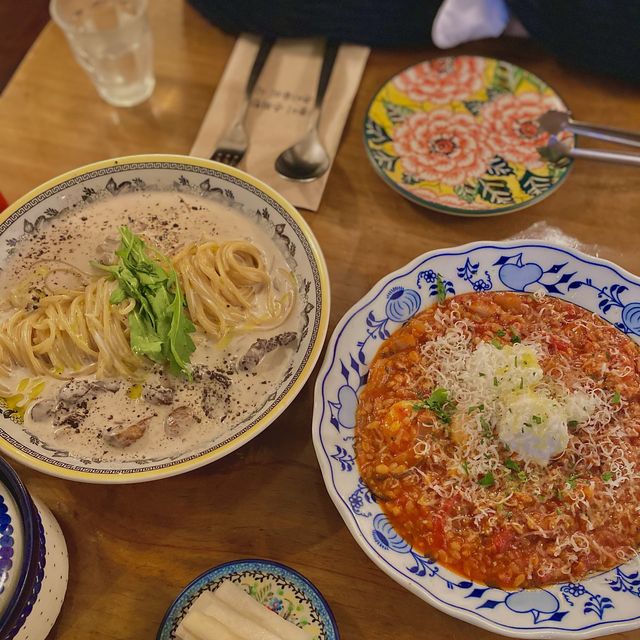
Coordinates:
[605,603]
[33,562]
[279,588]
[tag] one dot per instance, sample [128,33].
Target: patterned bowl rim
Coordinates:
[598,629]
[234,566]
[315,345]
[28,565]
[443,208]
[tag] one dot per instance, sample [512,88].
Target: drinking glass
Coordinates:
[112,41]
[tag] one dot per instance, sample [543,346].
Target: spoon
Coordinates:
[307,159]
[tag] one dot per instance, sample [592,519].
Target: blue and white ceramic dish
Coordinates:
[277,587]
[603,604]
[33,562]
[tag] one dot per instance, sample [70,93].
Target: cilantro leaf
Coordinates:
[439,403]
[487,480]
[512,465]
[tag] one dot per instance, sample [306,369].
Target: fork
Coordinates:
[233,143]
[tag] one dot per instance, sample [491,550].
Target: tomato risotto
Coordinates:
[500,433]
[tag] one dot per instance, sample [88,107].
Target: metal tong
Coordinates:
[554,122]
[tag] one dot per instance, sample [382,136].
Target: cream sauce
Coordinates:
[218,399]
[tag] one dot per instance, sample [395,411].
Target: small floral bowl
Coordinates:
[33,562]
[277,587]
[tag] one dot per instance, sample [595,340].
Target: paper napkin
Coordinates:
[281,106]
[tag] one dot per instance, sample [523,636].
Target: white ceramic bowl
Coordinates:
[605,603]
[34,565]
[220,183]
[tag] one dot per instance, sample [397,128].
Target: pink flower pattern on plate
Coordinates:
[445,199]
[443,80]
[510,126]
[442,146]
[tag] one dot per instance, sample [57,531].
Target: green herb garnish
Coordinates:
[487,431]
[158,325]
[571,480]
[496,343]
[572,424]
[475,407]
[615,399]
[515,338]
[441,291]
[500,333]
[495,381]
[438,402]
[607,475]
[465,467]
[512,465]
[537,419]
[487,480]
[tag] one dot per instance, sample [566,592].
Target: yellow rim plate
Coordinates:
[120,174]
[459,135]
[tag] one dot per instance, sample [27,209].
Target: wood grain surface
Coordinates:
[133,548]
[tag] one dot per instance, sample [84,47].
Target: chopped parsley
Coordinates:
[512,465]
[537,419]
[495,381]
[487,480]
[615,398]
[441,291]
[607,475]
[571,480]
[439,403]
[487,431]
[496,343]
[465,467]
[572,424]
[475,407]
[515,338]
[500,333]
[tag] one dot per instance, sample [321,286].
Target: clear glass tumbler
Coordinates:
[111,40]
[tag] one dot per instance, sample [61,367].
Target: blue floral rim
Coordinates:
[226,569]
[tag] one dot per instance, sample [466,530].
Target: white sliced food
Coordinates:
[244,627]
[204,627]
[183,634]
[200,603]
[237,598]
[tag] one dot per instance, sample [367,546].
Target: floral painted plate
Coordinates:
[277,587]
[459,135]
[602,604]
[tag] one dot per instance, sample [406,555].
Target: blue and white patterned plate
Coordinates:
[277,587]
[606,603]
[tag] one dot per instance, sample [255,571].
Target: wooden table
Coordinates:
[132,548]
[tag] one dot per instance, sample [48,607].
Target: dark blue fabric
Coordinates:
[602,36]
[384,23]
